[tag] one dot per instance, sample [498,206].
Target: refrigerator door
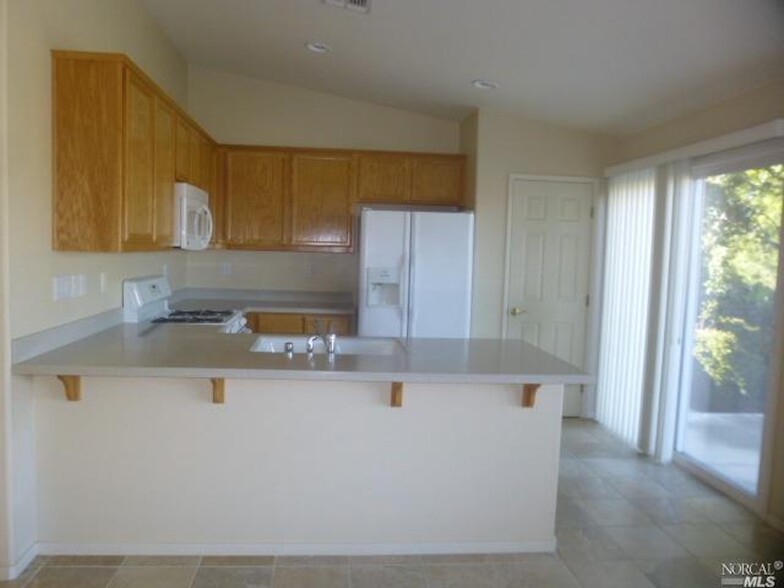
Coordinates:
[383,273]
[442,254]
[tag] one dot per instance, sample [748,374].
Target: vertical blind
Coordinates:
[625,302]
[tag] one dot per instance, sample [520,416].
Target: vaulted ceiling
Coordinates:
[614,66]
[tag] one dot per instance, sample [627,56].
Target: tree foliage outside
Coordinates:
[740,249]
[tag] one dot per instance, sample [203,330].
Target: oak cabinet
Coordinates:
[287,200]
[116,156]
[383,178]
[408,178]
[195,153]
[256,199]
[279,323]
[164,167]
[437,180]
[139,201]
[120,144]
[321,196]
[340,324]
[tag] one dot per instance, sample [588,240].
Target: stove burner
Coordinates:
[201,313]
[195,317]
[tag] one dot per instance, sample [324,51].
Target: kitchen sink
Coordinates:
[344,345]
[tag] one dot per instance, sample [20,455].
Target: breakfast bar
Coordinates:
[184,440]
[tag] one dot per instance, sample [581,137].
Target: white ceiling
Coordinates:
[608,65]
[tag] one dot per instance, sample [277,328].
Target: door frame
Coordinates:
[595,273]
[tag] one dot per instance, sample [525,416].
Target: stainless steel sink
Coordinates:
[344,345]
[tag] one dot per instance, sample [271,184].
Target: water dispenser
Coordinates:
[383,286]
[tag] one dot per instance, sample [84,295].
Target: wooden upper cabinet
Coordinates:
[383,178]
[194,156]
[164,166]
[88,119]
[438,180]
[322,190]
[139,201]
[183,164]
[255,199]
[116,155]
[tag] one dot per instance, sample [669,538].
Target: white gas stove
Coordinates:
[147,299]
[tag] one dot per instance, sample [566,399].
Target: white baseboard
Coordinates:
[13,571]
[546,546]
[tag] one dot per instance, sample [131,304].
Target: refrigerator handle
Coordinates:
[411,322]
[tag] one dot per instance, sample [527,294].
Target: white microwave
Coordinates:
[192,217]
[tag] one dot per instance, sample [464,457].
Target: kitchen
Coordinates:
[227,105]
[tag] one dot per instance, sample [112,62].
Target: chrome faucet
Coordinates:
[329,341]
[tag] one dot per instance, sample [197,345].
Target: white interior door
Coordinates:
[548,262]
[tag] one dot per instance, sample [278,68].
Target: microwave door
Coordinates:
[200,228]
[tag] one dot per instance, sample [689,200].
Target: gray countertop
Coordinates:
[201,351]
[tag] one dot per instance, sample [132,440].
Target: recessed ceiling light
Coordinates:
[484,84]
[315,47]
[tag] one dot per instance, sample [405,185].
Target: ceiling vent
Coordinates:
[362,6]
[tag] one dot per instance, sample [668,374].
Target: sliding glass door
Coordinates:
[730,326]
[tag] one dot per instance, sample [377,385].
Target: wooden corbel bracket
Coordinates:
[529,395]
[73,387]
[218,390]
[396,395]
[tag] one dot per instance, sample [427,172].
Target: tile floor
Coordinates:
[622,522]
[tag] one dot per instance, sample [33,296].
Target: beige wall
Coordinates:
[271,270]
[242,110]
[35,27]
[752,108]
[507,145]
[5,342]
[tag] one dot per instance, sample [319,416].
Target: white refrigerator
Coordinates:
[415,272]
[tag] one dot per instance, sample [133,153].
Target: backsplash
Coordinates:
[315,272]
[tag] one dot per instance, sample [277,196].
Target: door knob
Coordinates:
[516,310]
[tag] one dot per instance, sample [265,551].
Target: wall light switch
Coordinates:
[225,269]
[61,287]
[80,286]
[103,282]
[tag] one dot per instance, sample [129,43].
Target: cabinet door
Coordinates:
[88,117]
[139,197]
[183,164]
[438,180]
[200,152]
[340,324]
[321,197]
[165,158]
[255,199]
[218,197]
[275,323]
[383,178]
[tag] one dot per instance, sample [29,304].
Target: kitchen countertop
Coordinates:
[201,351]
